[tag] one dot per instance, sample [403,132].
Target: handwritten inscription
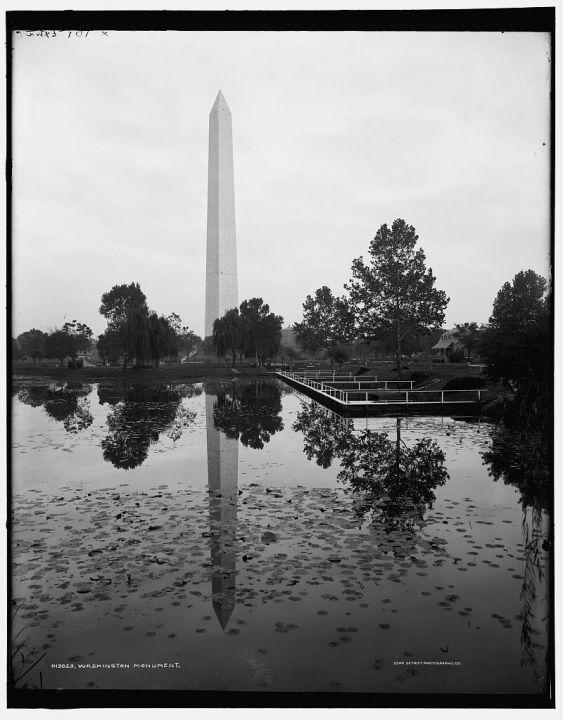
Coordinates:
[63,33]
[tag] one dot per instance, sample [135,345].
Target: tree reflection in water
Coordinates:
[139,415]
[64,402]
[522,459]
[249,411]
[394,484]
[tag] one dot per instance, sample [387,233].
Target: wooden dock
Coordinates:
[353,394]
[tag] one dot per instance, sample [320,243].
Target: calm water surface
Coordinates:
[244,538]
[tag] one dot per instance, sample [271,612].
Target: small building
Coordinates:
[449,344]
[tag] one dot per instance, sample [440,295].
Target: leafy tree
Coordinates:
[58,345]
[518,345]
[17,352]
[74,337]
[340,356]
[269,341]
[252,313]
[289,353]
[162,338]
[137,342]
[469,334]
[110,346]
[118,302]
[227,334]
[125,308]
[395,293]
[186,340]
[80,337]
[219,337]
[32,343]
[327,322]
[260,330]
[307,338]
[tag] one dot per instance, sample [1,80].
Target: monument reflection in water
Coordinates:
[222,475]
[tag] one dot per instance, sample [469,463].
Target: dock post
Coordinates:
[366,397]
[442,397]
[407,397]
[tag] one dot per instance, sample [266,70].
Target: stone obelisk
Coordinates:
[221,291]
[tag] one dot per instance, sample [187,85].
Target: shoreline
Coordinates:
[144,376]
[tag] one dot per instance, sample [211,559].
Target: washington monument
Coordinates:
[221,292]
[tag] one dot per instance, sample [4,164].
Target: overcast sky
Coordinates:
[334,135]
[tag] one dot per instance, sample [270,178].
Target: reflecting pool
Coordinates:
[238,536]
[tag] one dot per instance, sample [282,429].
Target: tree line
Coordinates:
[62,343]
[392,300]
[134,333]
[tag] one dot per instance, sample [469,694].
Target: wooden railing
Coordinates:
[375,396]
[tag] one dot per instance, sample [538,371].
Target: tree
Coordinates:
[17,352]
[187,341]
[226,334]
[118,302]
[136,339]
[125,308]
[288,353]
[80,337]
[32,343]
[162,338]
[59,345]
[395,293]
[469,334]
[260,330]
[269,341]
[340,356]
[518,344]
[327,322]
[110,346]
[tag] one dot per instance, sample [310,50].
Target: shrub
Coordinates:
[418,377]
[465,383]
